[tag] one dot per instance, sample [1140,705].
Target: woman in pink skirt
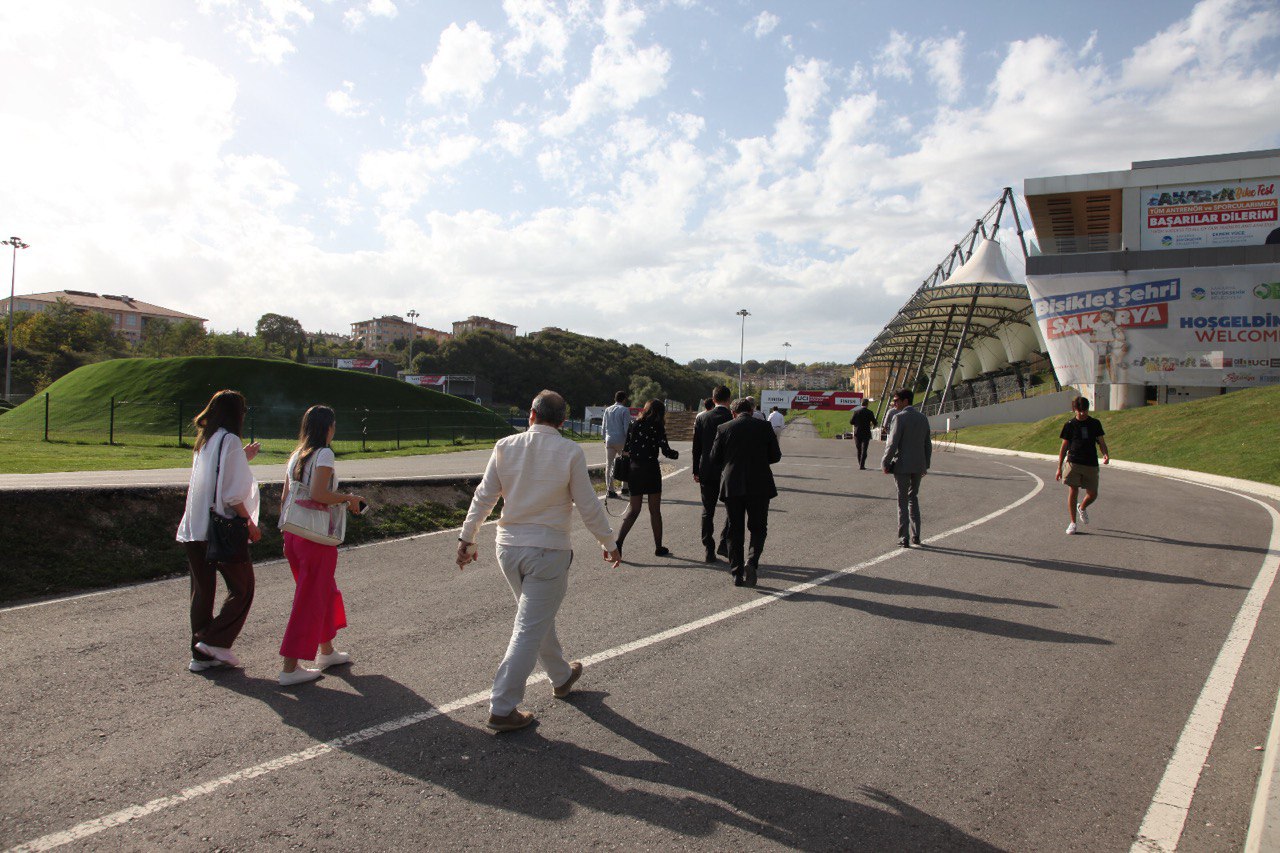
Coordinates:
[318,613]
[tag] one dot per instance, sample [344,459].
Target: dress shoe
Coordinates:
[575,672]
[517,719]
[915,540]
[711,556]
[737,577]
[661,551]
[906,543]
[723,550]
[750,579]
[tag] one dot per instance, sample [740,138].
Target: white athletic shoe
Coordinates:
[1071,528]
[301,675]
[1083,513]
[335,659]
[202,665]
[225,655]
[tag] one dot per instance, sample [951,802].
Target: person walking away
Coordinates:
[744,449]
[318,612]
[540,476]
[777,421]
[617,419]
[863,421]
[706,474]
[221,480]
[646,438]
[907,455]
[1081,437]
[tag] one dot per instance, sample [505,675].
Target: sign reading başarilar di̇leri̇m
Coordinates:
[1224,213]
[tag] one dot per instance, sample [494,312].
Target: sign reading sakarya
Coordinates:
[1226,213]
[1196,326]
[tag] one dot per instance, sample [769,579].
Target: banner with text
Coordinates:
[829,400]
[358,363]
[1224,213]
[1216,326]
[425,380]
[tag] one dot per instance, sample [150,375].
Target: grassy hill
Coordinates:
[156,400]
[1233,435]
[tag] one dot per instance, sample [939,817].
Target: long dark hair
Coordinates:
[313,435]
[225,410]
[655,412]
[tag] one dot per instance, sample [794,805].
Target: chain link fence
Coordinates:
[129,423]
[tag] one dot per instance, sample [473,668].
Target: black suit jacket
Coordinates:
[704,436]
[863,420]
[744,448]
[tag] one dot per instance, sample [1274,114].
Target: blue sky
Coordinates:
[632,170]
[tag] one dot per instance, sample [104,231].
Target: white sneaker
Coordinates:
[1071,528]
[1083,513]
[301,675]
[335,659]
[202,665]
[225,655]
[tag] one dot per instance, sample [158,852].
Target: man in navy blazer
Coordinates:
[744,449]
[907,454]
[707,474]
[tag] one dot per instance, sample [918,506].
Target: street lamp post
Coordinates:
[17,244]
[413,335]
[667,350]
[742,345]
[785,347]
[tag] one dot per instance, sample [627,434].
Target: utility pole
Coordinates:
[17,244]
[742,345]
[785,347]
[413,336]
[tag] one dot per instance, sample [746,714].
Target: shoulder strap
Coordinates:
[217,471]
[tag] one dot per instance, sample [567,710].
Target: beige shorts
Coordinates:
[1084,476]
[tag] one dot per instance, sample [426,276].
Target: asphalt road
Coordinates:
[1005,688]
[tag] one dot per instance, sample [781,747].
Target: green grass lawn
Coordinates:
[829,424]
[1234,435]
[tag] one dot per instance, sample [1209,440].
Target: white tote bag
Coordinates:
[310,519]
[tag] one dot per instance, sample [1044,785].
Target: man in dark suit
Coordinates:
[744,449]
[706,473]
[907,454]
[863,420]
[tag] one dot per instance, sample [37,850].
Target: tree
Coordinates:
[279,331]
[644,389]
[66,328]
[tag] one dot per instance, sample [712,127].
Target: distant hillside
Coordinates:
[151,392]
[586,370]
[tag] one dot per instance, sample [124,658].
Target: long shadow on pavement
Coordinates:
[686,791]
[887,586]
[1082,568]
[1109,533]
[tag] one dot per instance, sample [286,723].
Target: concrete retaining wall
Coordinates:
[1026,411]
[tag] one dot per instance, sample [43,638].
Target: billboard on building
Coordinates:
[1222,213]
[1215,326]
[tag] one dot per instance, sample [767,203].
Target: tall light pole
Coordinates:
[785,347]
[667,350]
[742,345]
[17,244]
[413,335]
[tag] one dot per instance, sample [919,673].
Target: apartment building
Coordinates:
[128,315]
[474,323]
[380,332]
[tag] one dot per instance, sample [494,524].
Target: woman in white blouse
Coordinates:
[222,480]
[318,612]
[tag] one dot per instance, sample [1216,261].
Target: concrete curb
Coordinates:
[1264,821]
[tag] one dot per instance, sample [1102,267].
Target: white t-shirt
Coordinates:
[776,420]
[238,486]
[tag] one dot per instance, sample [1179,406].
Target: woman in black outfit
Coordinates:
[646,436]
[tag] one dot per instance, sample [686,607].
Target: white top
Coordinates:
[301,489]
[759,415]
[540,475]
[238,486]
[776,419]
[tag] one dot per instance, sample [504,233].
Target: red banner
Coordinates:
[426,380]
[840,401]
[358,363]
[1156,315]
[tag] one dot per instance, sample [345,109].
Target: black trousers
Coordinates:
[861,443]
[711,497]
[220,630]
[755,512]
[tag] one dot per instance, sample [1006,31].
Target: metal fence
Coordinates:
[124,422]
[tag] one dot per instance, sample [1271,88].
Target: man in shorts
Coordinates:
[1081,438]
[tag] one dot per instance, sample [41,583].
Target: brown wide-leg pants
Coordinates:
[220,630]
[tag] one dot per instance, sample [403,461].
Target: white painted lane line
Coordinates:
[1167,816]
[119,818]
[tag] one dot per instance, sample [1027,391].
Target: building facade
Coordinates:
[380,332]
[129,316]
[474,323]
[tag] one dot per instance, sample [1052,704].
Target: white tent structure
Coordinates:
[971,317]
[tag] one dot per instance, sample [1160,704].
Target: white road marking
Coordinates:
[124,816]
[1162,827]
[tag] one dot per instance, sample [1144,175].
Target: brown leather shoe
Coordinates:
[517,719]
[576,673]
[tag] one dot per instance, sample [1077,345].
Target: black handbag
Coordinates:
[228,540]
[622,468]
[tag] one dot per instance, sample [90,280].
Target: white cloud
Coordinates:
[264,27]
[621,74]
[510,136]
[1216,32]
[343,101]
[892,60]
[944,59]
[462,66]
[355,17]
[763,24]
[805,86]
[404,176]
[539,27]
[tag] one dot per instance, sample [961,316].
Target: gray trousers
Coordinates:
[908,504]
[539,578]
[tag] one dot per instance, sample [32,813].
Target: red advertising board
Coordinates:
[425,380]
[1156,315]
[358,363]
[841,401]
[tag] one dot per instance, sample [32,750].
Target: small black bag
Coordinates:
[228,540]
[622,468]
